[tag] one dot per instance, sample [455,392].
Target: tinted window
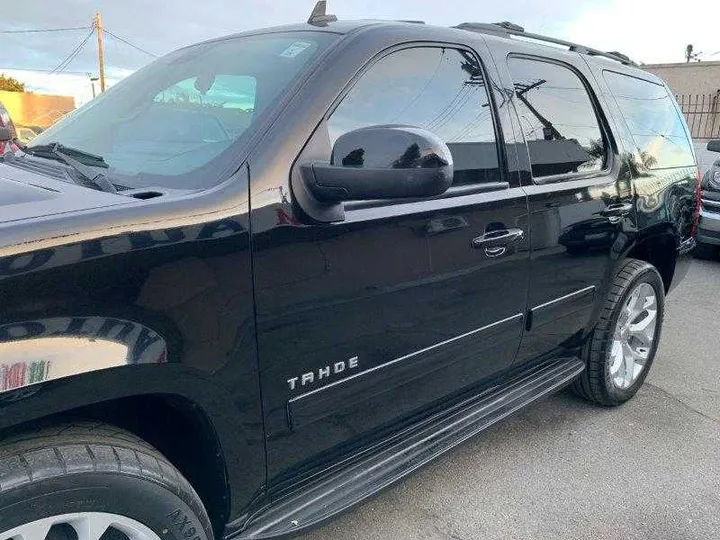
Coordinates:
[440,90]
[654,121]
[557,119]
[173,123]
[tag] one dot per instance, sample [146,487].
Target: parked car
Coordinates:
[7,144]
[271,274]
[708,235]
[25,134]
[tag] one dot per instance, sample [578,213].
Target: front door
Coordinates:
[366,323]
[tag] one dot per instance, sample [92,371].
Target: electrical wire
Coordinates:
[40,31]
[41,70]
[61,67]
[65,63]
[126,42]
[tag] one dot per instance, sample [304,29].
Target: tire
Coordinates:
[707,252]
[597,383]
[86,468]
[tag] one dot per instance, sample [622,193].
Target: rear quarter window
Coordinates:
[654,121]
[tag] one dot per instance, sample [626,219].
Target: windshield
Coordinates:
[176,122]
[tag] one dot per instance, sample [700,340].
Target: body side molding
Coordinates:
[316,404]
[560,307]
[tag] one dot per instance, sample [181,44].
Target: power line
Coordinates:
[42,70]
[65,63]
[43,30]
[126,42]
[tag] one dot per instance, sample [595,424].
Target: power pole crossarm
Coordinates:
[101,50]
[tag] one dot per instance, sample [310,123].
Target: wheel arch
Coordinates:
[127,367]
[176,426]
[210,433]
[659,248]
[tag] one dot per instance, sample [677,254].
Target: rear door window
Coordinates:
[653,120]
[557,118]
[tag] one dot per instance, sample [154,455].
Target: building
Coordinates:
[36,110]
[697,88]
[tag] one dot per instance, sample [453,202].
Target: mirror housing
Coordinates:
[382,162]
[714,145]
[6,134]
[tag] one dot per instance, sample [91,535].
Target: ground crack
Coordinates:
[681,402]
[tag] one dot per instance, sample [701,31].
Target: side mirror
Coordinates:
[5,134]
[382,162]
[714,145]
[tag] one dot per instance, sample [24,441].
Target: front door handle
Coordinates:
[617,210]
[496,242]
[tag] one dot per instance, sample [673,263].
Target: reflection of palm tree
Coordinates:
[648,160]
[639,167]
[355,158]
[636,169]
[597,149]
[472,67]
[409,158]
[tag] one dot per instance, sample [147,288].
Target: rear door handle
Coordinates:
[496,242]
[617,210]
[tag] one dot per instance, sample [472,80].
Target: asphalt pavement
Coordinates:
[705,158]
[565,469]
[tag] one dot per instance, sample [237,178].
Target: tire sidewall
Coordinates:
[650,276]
[154,505]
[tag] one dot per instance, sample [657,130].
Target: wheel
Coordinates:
[89,481]
[622,347]
[706,251]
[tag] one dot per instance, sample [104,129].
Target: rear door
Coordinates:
[662,162]
[579,192]
[368,322]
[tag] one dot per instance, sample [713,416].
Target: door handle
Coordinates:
[496,242]
[617,210]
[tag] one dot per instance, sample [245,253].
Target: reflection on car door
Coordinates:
[579,196]
[364,323]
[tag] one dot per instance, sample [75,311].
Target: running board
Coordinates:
[333,494]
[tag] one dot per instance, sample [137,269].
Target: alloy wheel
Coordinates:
[82,526]
[634,336]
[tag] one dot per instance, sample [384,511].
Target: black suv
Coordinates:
[268,275]
[708,233]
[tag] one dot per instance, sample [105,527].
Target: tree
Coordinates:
[11,85]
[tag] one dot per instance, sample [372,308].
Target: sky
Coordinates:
[649,31]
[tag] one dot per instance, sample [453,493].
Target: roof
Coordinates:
[426,31]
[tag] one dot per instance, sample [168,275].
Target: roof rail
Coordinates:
[319,17]
[508,29]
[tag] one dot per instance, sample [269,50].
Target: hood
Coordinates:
[27,195]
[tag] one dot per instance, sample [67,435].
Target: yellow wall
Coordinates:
[36,109]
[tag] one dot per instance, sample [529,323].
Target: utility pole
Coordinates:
[93,80]
[101,49]
[549,131]
[690,55]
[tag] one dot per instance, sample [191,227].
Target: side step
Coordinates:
[321,500]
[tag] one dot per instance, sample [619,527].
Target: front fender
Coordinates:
[34,351]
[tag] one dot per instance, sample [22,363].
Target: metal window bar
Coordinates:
[702,114]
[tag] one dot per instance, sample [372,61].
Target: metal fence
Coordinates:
[702,113]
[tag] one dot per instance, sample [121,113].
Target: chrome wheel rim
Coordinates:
[86,525]
[634,336]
